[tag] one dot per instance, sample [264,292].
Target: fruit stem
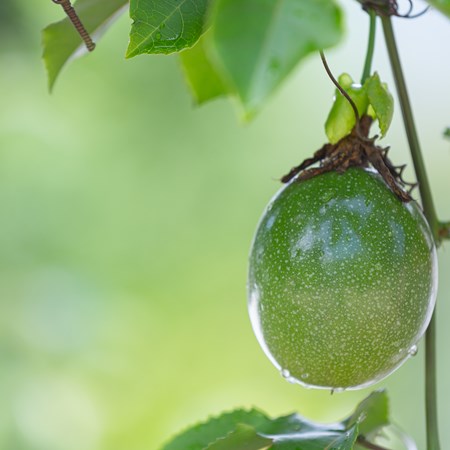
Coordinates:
[430,214]
[370,46]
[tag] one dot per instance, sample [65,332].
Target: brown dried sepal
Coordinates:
[354,150]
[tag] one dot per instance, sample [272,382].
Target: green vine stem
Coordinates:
[431,387]
[416,153]
[430,213]
[370,46]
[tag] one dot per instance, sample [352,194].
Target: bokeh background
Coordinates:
[126,216]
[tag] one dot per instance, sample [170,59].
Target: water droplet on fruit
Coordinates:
[285,373]
[412,350]
[305,376]
[337,390]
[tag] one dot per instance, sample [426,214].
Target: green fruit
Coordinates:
[342,280]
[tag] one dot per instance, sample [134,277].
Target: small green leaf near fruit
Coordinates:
[373,96]
[381,101]
[341,118]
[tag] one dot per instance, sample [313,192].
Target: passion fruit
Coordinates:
[342,280]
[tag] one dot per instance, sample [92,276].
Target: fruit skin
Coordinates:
[342,280]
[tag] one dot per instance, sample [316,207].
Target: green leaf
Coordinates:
[165,26]
[201,76]
[61,41]
[441,5]
[252,430]
[381,101]
[372,98]
[341,118]
[202,435]
[371,414]
[243,438]
[257,43]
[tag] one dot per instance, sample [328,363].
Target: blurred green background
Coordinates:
[126,219]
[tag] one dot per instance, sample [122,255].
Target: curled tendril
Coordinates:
[390,8]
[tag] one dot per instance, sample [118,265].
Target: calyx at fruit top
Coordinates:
[355,150]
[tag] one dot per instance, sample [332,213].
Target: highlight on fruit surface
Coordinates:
[342,280]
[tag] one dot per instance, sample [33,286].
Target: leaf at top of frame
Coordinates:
[201,75]
[257,43]
[165,26]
